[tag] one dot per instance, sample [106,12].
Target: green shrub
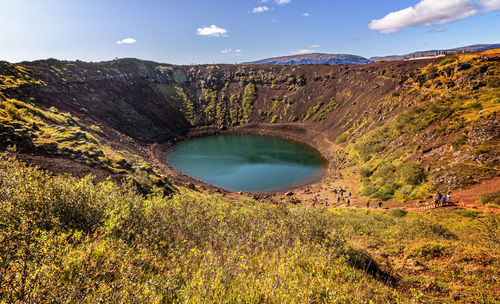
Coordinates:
[312,110]
[468,213]
[386,191]
[411,173]
[14,112]
[369,148]
[327,109]
[447,61]
[420,227]
[249,96]
[428,251]
[398,212]
[384,171]
[490,198]
[275,104]
[369,190]
[492,205]
[494,82]
[460,141]
[365,172]
[432,69]
[342,138]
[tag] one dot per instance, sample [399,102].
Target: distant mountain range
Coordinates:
[475,47]
[314,58]
[320,58]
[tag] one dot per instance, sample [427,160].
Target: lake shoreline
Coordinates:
[299,133]
[249,163]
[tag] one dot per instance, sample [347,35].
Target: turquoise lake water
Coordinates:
[247,163]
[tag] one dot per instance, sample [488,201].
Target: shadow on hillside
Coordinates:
[363,261]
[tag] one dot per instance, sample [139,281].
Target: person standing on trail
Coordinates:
[448,198]
[444,200]
[438,198]
[338,199]
[314,203]
[380,205]
[326,203]
[348,202]
[368,204]
[349,194]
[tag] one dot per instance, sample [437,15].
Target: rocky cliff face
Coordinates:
[153,102]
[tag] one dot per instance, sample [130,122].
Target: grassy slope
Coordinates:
[50,132]
[67,239]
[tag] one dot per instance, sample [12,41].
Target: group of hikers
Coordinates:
[442,199]
[336,192]
[340,197]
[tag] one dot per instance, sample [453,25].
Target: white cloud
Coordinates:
[310,49]
[302,51]
[490,5]
[306,14]
[126,41]
[427,12]
[260,9]
[213,31]
[283,2]
[237,52]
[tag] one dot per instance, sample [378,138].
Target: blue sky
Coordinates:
[229,31]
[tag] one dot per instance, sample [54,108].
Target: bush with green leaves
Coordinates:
[249,97]
[490,198]
[342,138]
[447,61]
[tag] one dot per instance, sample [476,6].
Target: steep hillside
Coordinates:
[135,231]
[380,109]
[314,58]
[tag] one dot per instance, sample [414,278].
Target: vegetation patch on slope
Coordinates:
[452,134]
